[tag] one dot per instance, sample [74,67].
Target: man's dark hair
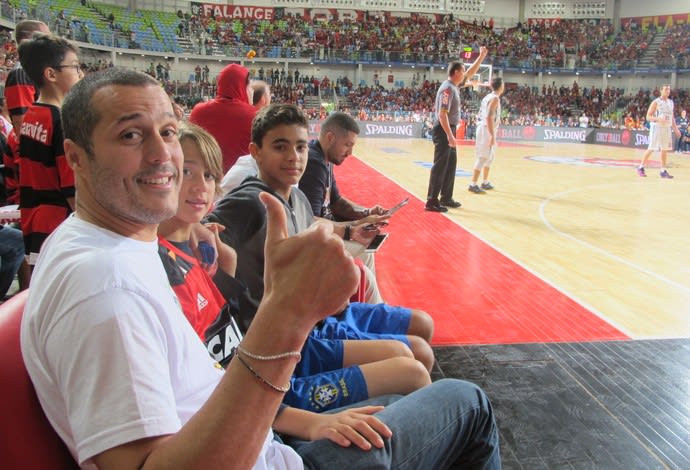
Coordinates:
[41,52]
[26,29]
[275,115]
[496,83]
[79,118]
[454,67]
[260,90]
[338,121]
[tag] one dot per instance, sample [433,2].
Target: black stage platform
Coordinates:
[600,405]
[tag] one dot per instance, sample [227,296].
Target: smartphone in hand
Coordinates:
[395,208]
[376,243]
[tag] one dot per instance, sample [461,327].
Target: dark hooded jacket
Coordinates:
[228,117]
[244,217]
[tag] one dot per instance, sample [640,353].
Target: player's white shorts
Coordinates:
[660,137]
[482,150]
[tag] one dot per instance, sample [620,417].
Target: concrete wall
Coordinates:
[658,7]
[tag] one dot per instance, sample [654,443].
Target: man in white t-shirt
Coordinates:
[120,373]
[245,166]
[584,120]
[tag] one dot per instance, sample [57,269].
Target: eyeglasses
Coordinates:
[76,67]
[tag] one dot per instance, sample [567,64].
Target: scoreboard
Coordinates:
[469,55]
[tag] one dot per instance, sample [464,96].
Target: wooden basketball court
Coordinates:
[564,293]
[576,216]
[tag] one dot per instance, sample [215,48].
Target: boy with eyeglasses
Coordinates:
[46,182]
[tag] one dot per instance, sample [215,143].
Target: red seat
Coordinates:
[28,440]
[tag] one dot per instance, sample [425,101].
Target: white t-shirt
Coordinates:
[111,355]
[244,166]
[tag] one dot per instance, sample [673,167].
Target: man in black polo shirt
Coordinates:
[337,138]
[338,135]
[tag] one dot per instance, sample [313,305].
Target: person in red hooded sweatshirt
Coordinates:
[228,117]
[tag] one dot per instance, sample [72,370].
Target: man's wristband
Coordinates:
[348,232]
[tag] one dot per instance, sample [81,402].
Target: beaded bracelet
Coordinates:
[296,354]
[261,378]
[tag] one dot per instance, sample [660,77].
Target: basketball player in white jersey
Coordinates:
[487,127]
[660,116]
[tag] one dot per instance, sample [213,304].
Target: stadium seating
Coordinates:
[563,43]
[28,439]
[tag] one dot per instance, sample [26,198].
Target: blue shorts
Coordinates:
[319,355]
[367,321]
[327,390]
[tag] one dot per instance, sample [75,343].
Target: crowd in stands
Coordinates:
[591,43]
[419,38]
[378,98]
[8,50]
[382,36]
[72,27]
[550,105]
[556,43]
[675,48]
[557,106]
[625,48]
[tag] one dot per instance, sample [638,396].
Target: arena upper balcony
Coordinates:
[380,38]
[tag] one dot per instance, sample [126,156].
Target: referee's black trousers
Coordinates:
[442,177]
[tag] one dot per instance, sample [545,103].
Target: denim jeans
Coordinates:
[448,424]
[11,256]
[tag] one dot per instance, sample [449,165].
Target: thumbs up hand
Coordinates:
[310,275]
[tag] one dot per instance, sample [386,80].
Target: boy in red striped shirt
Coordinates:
[46,182]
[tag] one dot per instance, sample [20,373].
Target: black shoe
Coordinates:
[452,203]
[473,188]
[433,205]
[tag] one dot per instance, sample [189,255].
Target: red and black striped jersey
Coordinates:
[20,92]
[10,168]
[210,311]
[45,178]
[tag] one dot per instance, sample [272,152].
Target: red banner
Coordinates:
[662,21]
[232,11]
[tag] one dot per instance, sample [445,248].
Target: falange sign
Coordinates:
[232,11]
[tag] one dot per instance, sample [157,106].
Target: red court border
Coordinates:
[475,294]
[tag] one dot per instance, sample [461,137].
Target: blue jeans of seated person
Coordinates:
[446,425]
[11,256]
